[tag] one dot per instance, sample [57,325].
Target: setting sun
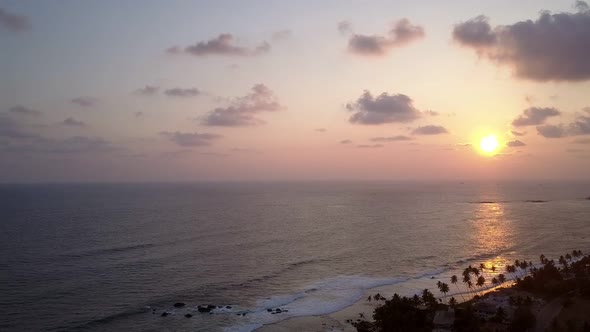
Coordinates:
[489,144]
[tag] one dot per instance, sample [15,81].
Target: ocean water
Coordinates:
[95,257]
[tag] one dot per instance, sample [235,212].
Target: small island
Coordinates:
[546,296]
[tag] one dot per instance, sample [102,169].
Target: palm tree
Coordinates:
[452,302]
[495,281]
[454,282]
[444,288]
[542,259]
[480,281]
[501,278]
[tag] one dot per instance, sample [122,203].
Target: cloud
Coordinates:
[516,133]
[13,22]
[179,92]
[581,141]
[21,110]
[71,145]
[321,130]
[581,6]
[224,44]
[431,113]
[391,138]
[345,141]
[580,126]
[10,128]
[384,108]
[555,47]
[534,116]
[476,33]
[85,101]
[551,131]
[430,130]
[515,143]
[369,146]
[73,123]
[401,34]
[191,139]
[148,90]
[242,110]
[344,27]
[282,35]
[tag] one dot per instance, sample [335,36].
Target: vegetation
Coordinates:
[570,275]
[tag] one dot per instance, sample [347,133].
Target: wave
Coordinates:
[510,201]
[107,251]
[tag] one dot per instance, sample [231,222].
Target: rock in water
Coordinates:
[188,315]
[164,314]
[179,305]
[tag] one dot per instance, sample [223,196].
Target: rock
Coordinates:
[179,305]
[164,314]
[244,314]
[278,311]
[219,307]
[188,315]
[210,307]
[203,309]
[228,307]
[269,310]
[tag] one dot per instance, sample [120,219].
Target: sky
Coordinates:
[117,91]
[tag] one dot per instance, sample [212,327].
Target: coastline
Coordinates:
[339,321]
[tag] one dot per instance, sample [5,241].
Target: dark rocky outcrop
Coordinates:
[188,315]
[179,305]
[164,314]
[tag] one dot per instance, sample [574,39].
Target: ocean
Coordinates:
[109,257]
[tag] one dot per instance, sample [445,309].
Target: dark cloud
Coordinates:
[345,141]
[148,90]
[551,131]
[555,47]
[224,44]
[73,123]
[21,110]
[179,92]
[85,101]
[13,22]
[344,27]
[384,108]
[242,110]
[534,116]
[430,130]
[516,133]
[515,143]
[369,146]
[402,33]
[391,138]
[191,139]
[476,33]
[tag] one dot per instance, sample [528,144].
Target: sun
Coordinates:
[489,144]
